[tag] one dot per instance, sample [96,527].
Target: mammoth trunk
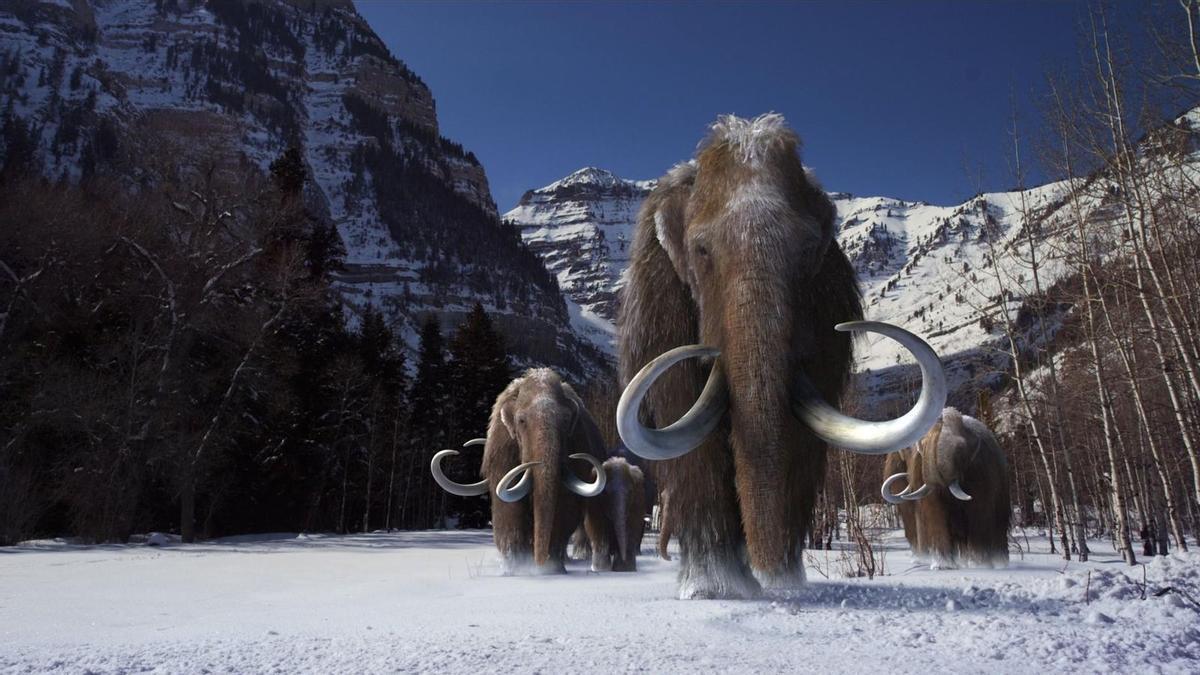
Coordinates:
[546,488]
[757,358]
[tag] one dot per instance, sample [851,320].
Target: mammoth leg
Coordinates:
[933,531]
[665,526]
[997,523]
[980,538]
[805,472]
[581,544]
[704,512]
[633,529]
[512,529]
[599,532]
[567,517]
[1002,520]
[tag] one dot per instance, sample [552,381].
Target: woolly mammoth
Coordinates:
[624,504]
[956,504]
[540,443]
[619,533]
[736,277]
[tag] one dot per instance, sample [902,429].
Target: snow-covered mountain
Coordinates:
[581,227]
[922,266]
[413,208]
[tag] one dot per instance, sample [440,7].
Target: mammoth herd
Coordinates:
[733,337]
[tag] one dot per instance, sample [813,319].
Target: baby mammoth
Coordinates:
[956,506]
[540,443]
[624,504]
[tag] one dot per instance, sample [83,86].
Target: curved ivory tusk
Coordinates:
[886,489]
[877,438]
[583,488]
[460,489]
[475,441]
[513,493]
[688,431]
[919,493]
[957,491]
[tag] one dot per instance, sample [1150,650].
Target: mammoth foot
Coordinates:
[511,565]
[786,579]
[619,565]
[601,562]
[938,562]
[550,567]
[711,577]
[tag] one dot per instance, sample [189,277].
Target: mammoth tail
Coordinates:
[664,537]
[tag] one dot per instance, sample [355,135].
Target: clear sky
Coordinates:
[891,99]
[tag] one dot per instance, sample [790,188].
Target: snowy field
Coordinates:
[435,602]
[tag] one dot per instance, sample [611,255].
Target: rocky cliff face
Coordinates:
[413,208]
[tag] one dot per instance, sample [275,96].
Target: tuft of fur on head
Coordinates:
[952,419]
[680,174]
[545,376]
[752,140]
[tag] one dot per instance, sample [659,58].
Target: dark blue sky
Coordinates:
[890,98]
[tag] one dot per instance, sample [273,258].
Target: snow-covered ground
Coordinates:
[435,602]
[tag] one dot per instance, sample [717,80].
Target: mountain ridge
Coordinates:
[413,208]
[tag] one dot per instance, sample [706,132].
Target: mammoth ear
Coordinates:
[818,204]
[576,403]
[668,230]
[502,452]
[666,210]
[506,420]
[656,310]
[833,297]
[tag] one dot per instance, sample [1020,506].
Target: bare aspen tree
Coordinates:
[1033,262]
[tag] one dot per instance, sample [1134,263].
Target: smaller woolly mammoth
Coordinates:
[540,443]
[956,503]
[624,504]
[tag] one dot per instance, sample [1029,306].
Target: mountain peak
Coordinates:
[589,182]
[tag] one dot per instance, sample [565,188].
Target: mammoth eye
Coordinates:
[702,250]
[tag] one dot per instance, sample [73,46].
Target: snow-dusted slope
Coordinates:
[581,227]
[91,77]
[434,602]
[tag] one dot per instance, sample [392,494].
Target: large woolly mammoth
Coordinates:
[735,276]
[540,443]
[955,505]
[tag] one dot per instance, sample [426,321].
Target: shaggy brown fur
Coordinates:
[946,528]
[624,503]
[538,417]
[735,251]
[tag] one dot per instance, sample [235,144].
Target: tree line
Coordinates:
[174,357]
